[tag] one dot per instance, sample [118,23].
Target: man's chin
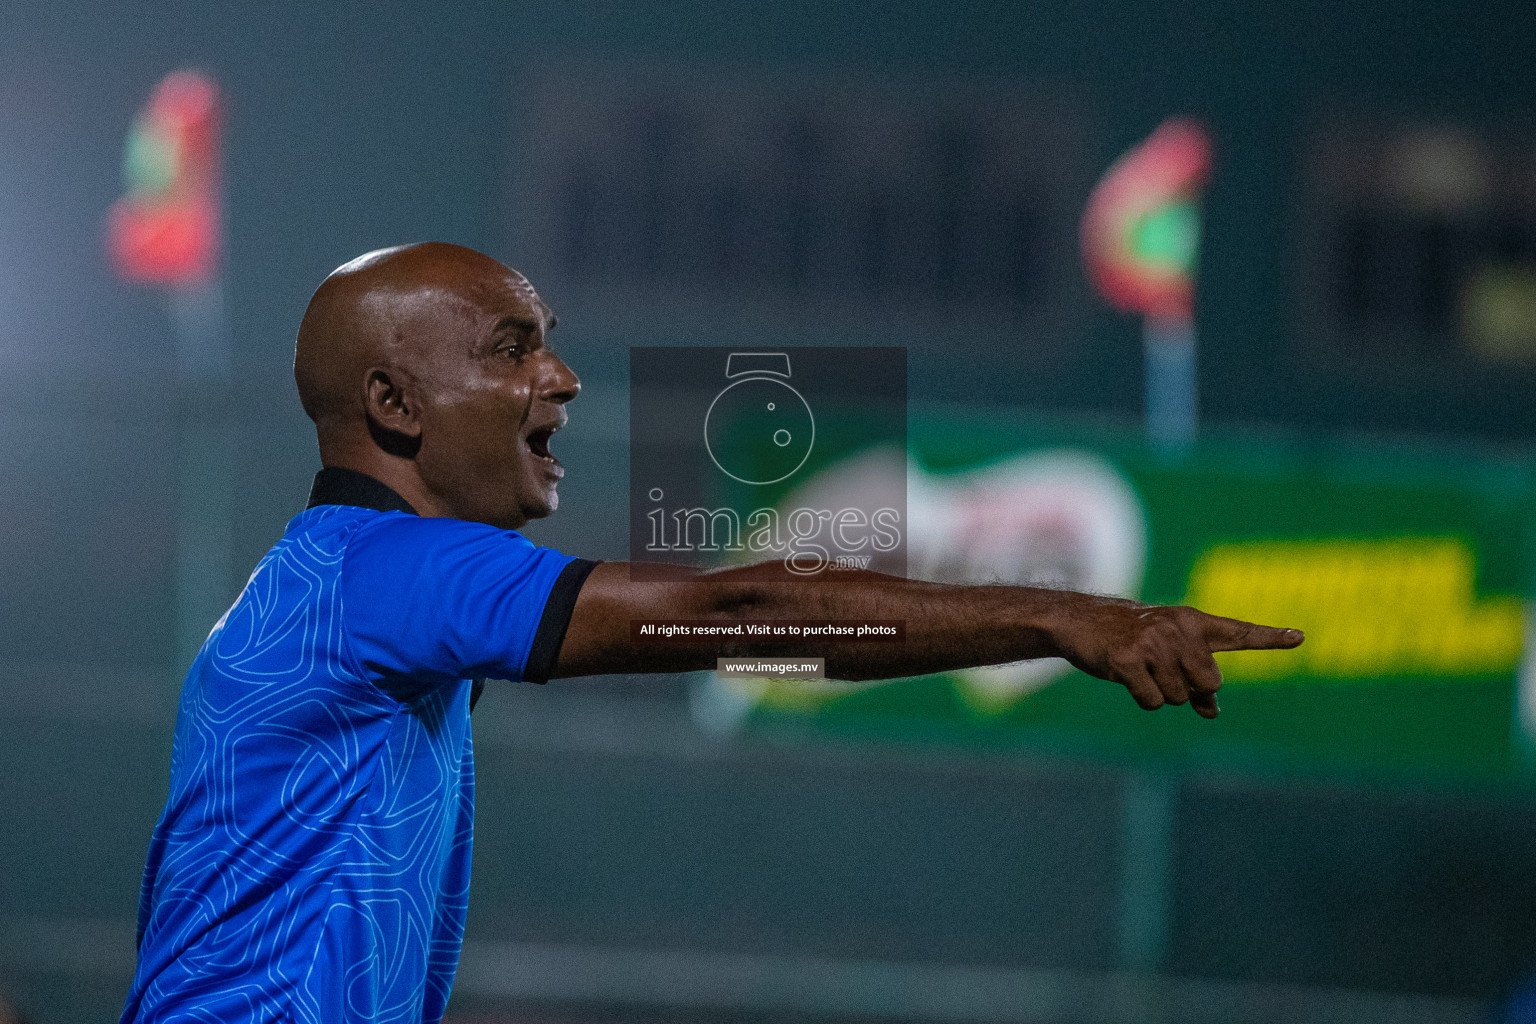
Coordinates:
[537,506]
[520,513]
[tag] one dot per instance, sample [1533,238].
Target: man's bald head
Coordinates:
[423,365]
[386,307]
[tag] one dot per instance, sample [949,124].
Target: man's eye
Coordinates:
[511,350]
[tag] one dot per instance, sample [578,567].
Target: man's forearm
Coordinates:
[946,627]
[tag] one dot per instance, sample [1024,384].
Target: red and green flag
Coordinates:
[1141,230]
[167,227]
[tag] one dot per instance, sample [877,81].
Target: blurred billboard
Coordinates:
[1409,571]
[835,206]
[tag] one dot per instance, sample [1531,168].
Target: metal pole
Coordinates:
[1171,397]
[205,478]
[1146,870]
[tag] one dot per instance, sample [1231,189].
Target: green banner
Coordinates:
[1409,570]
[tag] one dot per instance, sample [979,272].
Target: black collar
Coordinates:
[337,486]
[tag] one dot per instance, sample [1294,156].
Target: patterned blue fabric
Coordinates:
[312,861]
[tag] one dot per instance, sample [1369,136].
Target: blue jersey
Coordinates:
[312,861]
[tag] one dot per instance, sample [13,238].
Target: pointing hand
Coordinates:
[1162,654]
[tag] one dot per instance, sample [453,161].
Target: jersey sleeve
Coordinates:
[429,601]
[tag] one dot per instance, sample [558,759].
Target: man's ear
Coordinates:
[394,416]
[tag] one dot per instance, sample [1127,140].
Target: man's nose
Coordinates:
[560,383]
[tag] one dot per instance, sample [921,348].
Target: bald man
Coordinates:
[312,861]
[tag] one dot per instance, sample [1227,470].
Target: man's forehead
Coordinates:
[514,295]
[522,287]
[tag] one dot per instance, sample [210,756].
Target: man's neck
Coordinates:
[399,475]
[409,487]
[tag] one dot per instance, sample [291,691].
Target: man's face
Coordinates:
[495,396]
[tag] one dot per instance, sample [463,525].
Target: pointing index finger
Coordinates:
[1236,635]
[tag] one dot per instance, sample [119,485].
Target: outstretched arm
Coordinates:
[1161,654]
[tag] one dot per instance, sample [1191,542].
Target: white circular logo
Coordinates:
[759,430]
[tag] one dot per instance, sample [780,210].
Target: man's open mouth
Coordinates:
[538,442]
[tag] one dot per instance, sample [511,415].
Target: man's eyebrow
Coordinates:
[514,322]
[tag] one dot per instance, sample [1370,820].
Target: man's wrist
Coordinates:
[1064,614]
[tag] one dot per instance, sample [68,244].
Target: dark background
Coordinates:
[608,822]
